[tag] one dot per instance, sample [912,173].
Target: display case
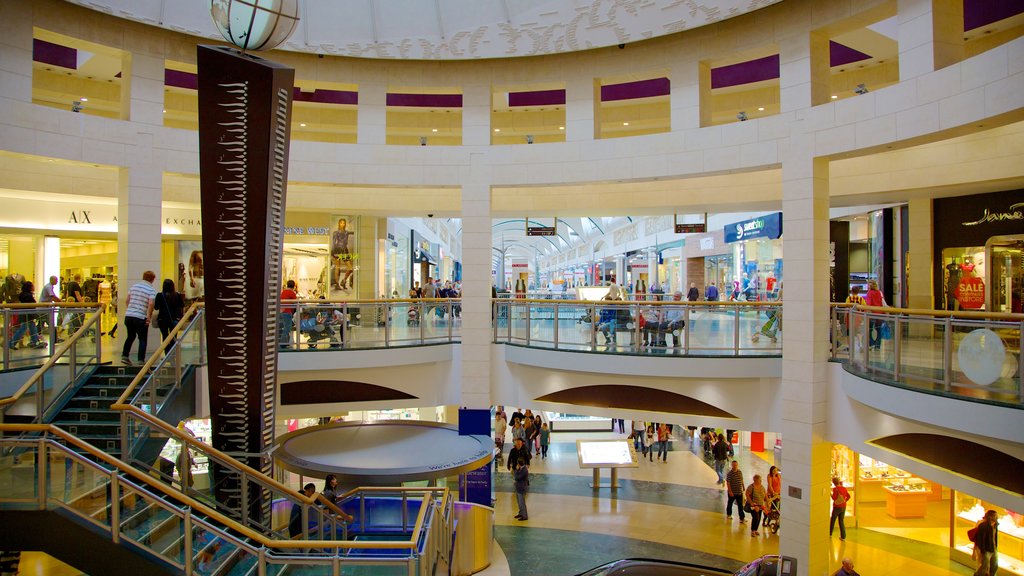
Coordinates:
[907,497]
[873,476]
[967,512]
[844,467]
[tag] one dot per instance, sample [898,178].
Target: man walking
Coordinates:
[711,293]
[137,314]
[287,314]
[735,487]
[986,543]
[694,294]
[721,453]
[48,295]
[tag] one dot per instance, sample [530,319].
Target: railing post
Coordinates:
[187,528]
[494,318]
[947,353]
[833,329]
[593,328]
[528,324]
[244,495]
[638,334]
[1020,362]
[423,320]
[177,365]
[184,470]
[736,331]
[555,330]
[115,507]
[450,311]
[684,331]
[866,326]
[97,333]
[897,348]
[6,339]
[123,433]
[261,564]
[344,325]
[42,473]
[387,324]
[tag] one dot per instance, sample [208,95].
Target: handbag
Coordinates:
[747,508]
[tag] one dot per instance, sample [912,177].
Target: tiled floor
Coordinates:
[667,510]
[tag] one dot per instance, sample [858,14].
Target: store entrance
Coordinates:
[1005,255]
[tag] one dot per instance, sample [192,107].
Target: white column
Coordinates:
[805,453]
[476,286]
[372,114]
[580,110]
[476,115]
[930,35]
[16,52]
[794,73]
[684,101]
[920,293]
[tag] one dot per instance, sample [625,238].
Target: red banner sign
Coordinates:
[971,293]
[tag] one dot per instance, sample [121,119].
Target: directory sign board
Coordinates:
[618,453]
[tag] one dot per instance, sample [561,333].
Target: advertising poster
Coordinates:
[190,270]
[343,244]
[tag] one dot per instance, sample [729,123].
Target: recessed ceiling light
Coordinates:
[625,123]
[302,124]
[85,99]
[561,127]
[165,111]
[434,130]
[760,108]
[497,129]
[834,96]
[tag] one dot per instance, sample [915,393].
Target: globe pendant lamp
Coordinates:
[255,24]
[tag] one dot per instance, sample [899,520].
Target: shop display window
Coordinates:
[967,512]
[843,464]
[871,469]
[962,271]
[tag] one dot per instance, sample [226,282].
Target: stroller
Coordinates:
[772,516]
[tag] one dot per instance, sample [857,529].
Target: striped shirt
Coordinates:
[735,481]
[139,298]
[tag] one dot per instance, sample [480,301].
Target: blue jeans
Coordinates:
[663,450]
[19,332]
[838,513]
[284,328]
[720,470]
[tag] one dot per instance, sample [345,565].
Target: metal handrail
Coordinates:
[851,328]
[69,345]
[176,496]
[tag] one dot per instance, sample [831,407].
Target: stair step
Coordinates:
[91,415]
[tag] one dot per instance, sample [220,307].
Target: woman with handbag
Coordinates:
[840,497]
[170,308]
[755,503]
[874,298]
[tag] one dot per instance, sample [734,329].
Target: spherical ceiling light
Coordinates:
[255,24]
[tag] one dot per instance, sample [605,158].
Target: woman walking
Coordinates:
[170,308]
[756,499]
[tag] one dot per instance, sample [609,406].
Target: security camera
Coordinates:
[76,106]
[622,46]
[860,89]
[430,215]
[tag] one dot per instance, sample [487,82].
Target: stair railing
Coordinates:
[142,430]
[49,386]
[71,475]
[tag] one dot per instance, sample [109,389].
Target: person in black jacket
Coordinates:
[986,543]
[721,453]
[519,451]
[694,294]
[295,519]
[170,308]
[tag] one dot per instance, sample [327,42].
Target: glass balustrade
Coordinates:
[969,355]
[35,331]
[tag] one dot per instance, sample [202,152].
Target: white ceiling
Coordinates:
[453,29]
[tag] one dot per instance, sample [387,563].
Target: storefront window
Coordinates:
[967,512]
[719,269]
[963,272]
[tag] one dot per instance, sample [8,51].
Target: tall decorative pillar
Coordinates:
[931,35]
[919,288]
[475,366]
[805,452]
[582,96]
[244,119]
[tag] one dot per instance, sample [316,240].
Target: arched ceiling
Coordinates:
[454,29]
[509,237]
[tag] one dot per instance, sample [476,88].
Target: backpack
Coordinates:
[972,534]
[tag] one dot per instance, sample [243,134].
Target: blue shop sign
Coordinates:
[767,226]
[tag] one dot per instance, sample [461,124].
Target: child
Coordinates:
[545,440]
[650,442]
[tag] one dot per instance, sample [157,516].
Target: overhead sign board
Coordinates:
[767,226]
[540,231]
[691,228]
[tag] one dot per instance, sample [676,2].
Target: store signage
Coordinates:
[520,265]
[970,293]
[306,231]
[707,243]
[540,231]
[767,226]
[691,228]
[1014,212]
[639,267]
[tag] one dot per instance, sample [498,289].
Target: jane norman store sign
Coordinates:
[1014,212]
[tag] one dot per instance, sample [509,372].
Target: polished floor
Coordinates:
[670,510]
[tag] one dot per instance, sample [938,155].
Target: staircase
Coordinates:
[87,413]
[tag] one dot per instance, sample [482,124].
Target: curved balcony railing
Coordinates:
[368,324]
[973,355]
[630,327]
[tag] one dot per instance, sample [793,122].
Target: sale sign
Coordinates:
[971,293]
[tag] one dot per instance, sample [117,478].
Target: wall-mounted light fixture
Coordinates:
[423,140]
[529,138]
[742,116]
[76,106]
[860,89]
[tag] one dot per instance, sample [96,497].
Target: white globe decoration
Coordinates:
[255,24]
[981,355]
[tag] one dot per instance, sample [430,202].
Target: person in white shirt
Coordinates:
[137,314]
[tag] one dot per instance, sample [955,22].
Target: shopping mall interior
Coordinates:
[597,211]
